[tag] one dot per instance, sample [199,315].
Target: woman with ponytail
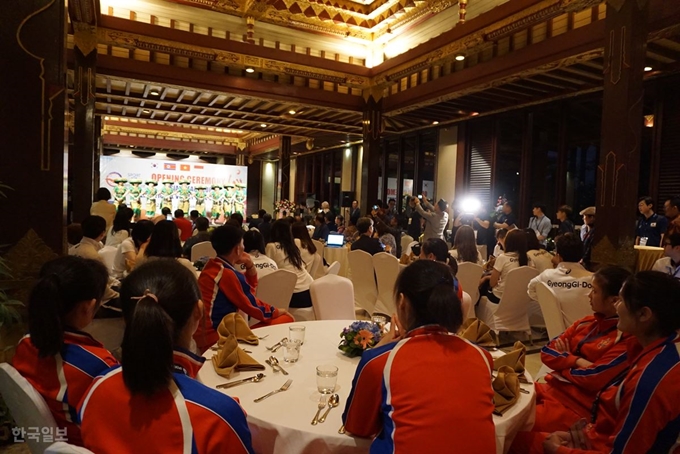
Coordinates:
[436,249]
[153,404]
[56,357]
[437,394]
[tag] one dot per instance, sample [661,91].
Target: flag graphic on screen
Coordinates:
[169,166]
[185,167]
[198,167]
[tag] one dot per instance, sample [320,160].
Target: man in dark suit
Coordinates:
[365,242]
[265,227]
[354,213]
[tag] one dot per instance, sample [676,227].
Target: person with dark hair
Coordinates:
[420,407]
[94,231]
[307,247]
[255,222]
[386,238]
[253,244]
[500,239]
[464,246]
[540,223]
[193,215]
[340,224]
[651,227]
[202,225]
[638,412]
[514,255]
[437,250]
[330,222]
[164,243]
[564,216]
[415,224]
[164,216]
[238,217]
[671,209]
[321,228]
[126,255]
[436,218]
[225,290]
[120,228]
[354,213]
[56,357]
[366,242]
[153,402]
[587,234]
[285,251]
[670,263]
[265,227]
[507,219]
[539,258]
[102,207]
[183,224]
[74,233]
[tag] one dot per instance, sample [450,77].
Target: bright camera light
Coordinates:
[470,205]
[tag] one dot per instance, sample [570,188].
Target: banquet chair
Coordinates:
[61,447]
[386,268]
[363,280]
[108,331]
[468,277]
[405,241]
[317,270]
[202,249]
[277,288]
[332,298]
[28,408]
[319,247]
[550,308]
[511,313]
[334,268]
[467,307]
[108,255]
[575,310]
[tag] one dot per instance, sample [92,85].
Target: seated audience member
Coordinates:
[539,258]
[366,242]
[102,207]
[651,226]
[386,238]
[569,280]
[307,248]
[224,290]
[253,244]
[258,220]
[514,256]
[284,250]
[670,264]
[638,412]
[183,224]
[321,231]
[165,213]
[74,233]
[465,247]
[202,224]
[238,219]
[265,227]
[126,255]
[436,249]
[94,231]
[671,209]
[564,216]
[330,222]
[193,215]
[153,403]
[120,228]
[588,355]
[540,224]
[507,219]
[421,407]
[500,239]
[56,357]
[587,234]
[164,243]
[340,224]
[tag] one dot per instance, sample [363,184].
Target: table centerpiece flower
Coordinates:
[359,337]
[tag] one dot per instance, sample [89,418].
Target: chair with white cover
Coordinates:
[317,270]
[468,277]
[61,447]
[386,268]
[333,298]
[28,408]
[550,308]
[511,313]
[202,249]
[575,310]
[334,268]
[277,288]
[467,307]
[108,331]
[405,241]
[319,247]
[363,279]
[108,255]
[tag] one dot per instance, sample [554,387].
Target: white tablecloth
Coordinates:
[338,254]
[281,423]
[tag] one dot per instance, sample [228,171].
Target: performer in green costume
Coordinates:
[200,200]
[216,197]
[166,194]
[184,194]
[151,193]
[240,199]
[135,193]
[119,191]
[228,200]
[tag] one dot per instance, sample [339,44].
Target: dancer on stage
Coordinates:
[150,194]
[184,193]
[228,200]
[135,193]
[120,191]
[166,194]
[240,199]
[216,197]
[200,200]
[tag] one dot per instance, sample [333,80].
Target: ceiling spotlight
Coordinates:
[263,125]
[460,57]
[292,111]
[474,114]
[250,70]
[648,68]
[154,92]
[435,122]
[146,111]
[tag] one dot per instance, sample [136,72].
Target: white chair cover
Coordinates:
[277,288]
[202,249]
[468,277]
[333,298]
[64,448]
[27,407]
[108,331]
[363,279]
[317,269]
[511,313]
[386,268]
[550,308]
[302,314]
[575,310]
[108,255]
[334,268]
[467,306]
[319,247]
[405,241]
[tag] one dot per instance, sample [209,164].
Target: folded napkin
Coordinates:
[235,324]
[230,357]
[505,389]
[515,359]
[477,332]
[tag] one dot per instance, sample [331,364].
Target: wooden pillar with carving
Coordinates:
[617,184]
[370,160]
[33,93]
[284,168]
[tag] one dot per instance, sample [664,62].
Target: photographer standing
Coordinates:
[436,218]
[415,228]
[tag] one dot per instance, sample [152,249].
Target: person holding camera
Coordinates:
[436,218]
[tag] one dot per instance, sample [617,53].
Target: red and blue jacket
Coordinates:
[447,409]
[187,418]
[224,290]
[63,379]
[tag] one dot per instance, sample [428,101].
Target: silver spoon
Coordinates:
[276,346]
[275,362]
[264,337]
[253,379]
[333,402]
[322,404]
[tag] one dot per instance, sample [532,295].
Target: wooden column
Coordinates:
[33,93]
[617,184]
[370,164]
[284,168]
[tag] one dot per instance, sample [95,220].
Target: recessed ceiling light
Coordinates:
[154,93]
[292,111]
[474,114]
[648,68]
[263,125]
[460,57]
[250,70]
[435,122]
[146,111]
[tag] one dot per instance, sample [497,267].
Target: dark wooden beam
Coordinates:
[115,139]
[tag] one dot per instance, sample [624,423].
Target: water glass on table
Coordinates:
[380,320]
[297,332]
[291,350]
[326,378]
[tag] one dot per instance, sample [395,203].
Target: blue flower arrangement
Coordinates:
[359,337]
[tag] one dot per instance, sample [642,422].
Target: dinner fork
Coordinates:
[285,386]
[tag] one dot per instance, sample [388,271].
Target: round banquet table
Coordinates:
[647,256]
[338,254]
[281,423]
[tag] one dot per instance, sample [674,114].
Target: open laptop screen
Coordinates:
[335,239]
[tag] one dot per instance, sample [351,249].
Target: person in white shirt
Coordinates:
[102,207]
[670,264]
[465,246]
[307,247]
[120,228]
[436,219]
[94,230]
[570,281]
[126,254]
[500,239]
[538,258]
[515,255]
[285,252]
[540,223]
[253,244]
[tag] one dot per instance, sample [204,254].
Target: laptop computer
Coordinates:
[335,240]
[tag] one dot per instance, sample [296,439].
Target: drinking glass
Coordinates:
[291,350]
[297,332]
[326,377]
[379,320]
